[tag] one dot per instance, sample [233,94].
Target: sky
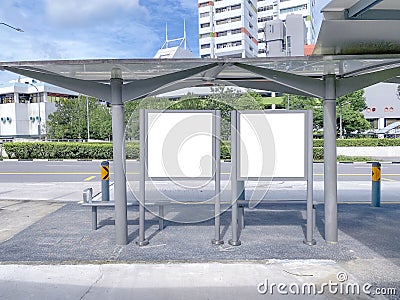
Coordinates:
[84,29]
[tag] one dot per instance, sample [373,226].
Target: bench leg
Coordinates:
[314,217]
[94,217]
[241,217]
[160,217]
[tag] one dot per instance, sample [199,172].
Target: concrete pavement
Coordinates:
[172,281]
[60,257]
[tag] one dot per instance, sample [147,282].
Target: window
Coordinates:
[222,9]
[205,46]
[264,19]
[205,25]
[236,31]
[293,9]
[7,98]
[222,33]
[54,97]
[204,35]
[238,6]
[223,21]
[230,44]
[265,8]
[24,98]
[35,99]
[205,14]
[204,4]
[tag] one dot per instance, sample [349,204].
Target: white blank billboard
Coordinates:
[180,144]
[272,145]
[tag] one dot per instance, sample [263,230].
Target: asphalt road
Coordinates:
[89,171]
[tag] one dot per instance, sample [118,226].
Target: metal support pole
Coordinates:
[94,217]
[118,125]
[142,185]
[217,179]
[376,184]
[330,160]
[310,182]
[234,189]
[105,181]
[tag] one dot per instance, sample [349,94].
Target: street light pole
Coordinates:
[87,118]
[39,117]
[340,121]
[12,27]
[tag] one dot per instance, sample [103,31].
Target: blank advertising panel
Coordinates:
[180,144]
[272,145]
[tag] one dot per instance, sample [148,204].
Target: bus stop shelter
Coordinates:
[367,54]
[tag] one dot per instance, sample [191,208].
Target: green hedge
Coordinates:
[361,142]
[49,150]
[57,150]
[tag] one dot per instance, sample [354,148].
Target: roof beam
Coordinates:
[306,85]
[360,8]
[351,84]
[265,85]
[91,88]
[142,87]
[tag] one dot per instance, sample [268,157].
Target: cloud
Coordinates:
[78,13]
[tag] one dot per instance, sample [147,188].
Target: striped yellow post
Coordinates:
[105,181]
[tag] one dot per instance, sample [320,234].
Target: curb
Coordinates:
[222,160]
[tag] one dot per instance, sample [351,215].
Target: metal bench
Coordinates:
[88,201]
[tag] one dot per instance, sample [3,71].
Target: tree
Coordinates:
[349,107]
[69,121]
[307,103]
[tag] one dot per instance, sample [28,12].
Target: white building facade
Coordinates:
[269,10]
[383,104]
[25,105]
[228,28]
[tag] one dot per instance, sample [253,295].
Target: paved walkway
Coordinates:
[57,255]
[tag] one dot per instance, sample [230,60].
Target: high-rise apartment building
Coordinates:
[228,28]
[237,27]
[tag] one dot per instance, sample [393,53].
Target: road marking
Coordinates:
[89,178]
[387,179]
